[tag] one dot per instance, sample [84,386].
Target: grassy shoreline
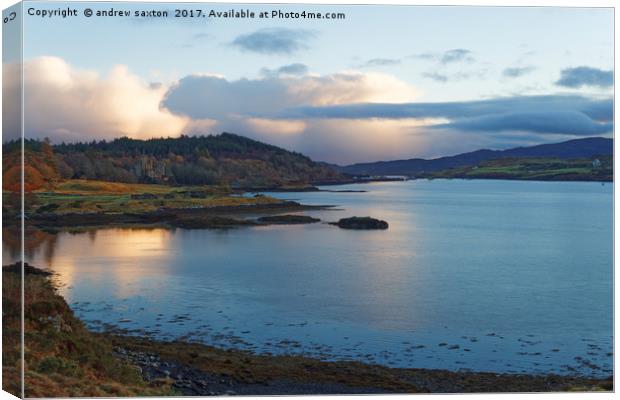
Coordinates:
[64,358]
[82,203]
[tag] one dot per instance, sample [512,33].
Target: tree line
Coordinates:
[187,160]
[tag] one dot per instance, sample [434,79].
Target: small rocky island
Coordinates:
[361,223]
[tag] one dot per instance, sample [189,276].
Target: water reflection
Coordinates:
[117,259]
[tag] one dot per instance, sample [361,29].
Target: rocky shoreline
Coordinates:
[191,381]
[219,217]
[199,370]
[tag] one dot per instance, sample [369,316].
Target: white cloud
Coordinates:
[71,104]
[351,87]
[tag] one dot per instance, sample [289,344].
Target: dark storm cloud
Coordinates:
[274,41]
[585,76]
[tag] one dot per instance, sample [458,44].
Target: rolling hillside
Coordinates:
[572,149]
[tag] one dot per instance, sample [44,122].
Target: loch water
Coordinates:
[484,275]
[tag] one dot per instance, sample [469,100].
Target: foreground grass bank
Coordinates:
[62,358]
[65,359]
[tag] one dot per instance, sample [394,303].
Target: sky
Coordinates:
[386,82]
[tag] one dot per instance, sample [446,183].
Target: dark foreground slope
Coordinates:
[64,359]
[572,149]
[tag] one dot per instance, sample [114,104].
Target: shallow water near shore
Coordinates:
[503,276]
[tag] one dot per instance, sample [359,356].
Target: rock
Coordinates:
[288,219]
[361,223]
[27,269]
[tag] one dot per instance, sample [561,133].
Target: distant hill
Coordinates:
[577,148]
[187,160]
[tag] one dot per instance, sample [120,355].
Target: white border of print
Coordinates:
[506,3]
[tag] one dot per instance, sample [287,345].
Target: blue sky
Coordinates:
[287,81]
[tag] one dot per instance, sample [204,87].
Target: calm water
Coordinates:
[482,275]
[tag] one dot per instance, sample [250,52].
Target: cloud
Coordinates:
[554,114]
[546,122]
[67,103]
[293,69]
[380,62]
[278,41]
[449,66]
[448,57]
[340,117]
[585,76]
[251,107]
[601,109]
[290,69]
[343,117]
[444,77]
[457,55]
[426,56]
[211,97]
[516,72]
[436,76]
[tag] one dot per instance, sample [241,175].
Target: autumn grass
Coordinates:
[123,203]
[86,196]
[62,358]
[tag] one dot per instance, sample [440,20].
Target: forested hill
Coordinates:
[218,159]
